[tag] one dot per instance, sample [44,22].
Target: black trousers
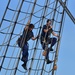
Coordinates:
[46,42]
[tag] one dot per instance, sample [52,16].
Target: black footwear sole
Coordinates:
[49,62]
[50,49]
[24,66]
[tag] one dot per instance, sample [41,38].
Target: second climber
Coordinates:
[46,40]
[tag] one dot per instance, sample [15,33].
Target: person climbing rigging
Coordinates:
[23,42]
[46,40]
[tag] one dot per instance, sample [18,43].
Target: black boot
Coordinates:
[50,49]
[24,66]
[48,61]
